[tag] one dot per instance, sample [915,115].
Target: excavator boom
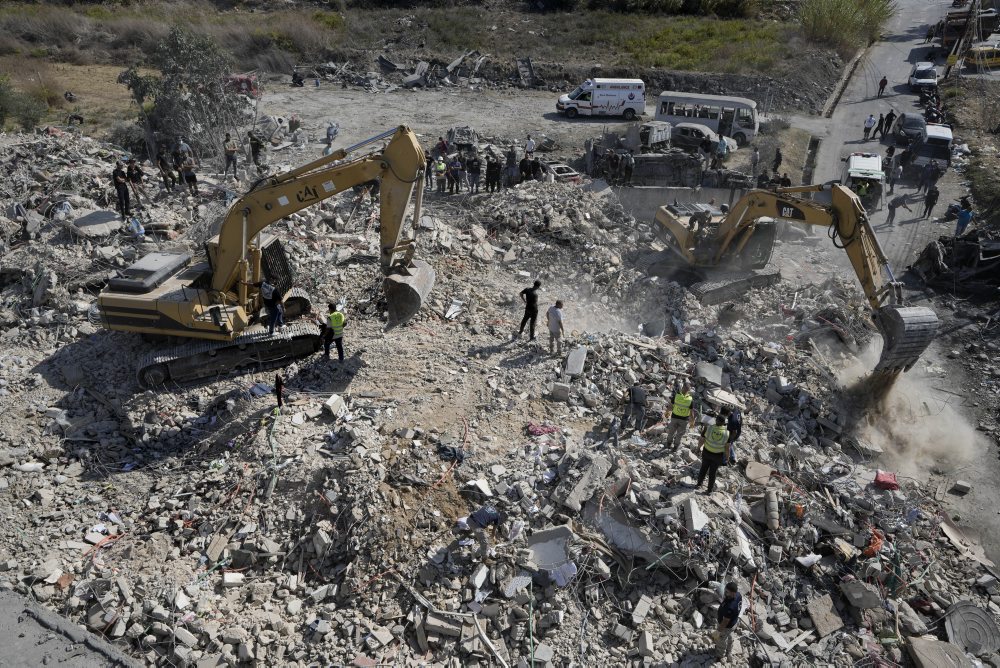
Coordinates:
[217,300]
[735,240]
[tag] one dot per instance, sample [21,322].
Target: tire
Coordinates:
[571,113]
[741,139]
[629,114]
[154,375]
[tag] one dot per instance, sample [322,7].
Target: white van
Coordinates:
[605,97]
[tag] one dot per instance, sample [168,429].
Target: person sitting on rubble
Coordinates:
[714,444]
[682,413]
[536,169]
[297,79]
[763,179]
[786,181]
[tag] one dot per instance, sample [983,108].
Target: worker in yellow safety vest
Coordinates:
[333,331]
[714,445]
[682,413]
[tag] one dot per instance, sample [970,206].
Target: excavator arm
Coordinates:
[236,255]
[906,331]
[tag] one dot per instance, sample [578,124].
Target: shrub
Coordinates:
[28,111]
[8,99]
[129,136]
[846,24]
[329,20]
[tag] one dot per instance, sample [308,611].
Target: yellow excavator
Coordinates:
[741,240]
[218,299]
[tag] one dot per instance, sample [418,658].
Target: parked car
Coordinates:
[923,74]
[690,136]
[562,172]
[909,127]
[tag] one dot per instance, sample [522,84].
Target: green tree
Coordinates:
[188,97]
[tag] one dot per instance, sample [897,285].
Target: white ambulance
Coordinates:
[605,97]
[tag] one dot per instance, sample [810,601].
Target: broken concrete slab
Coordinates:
[580,484]
[824,616]
[575,361]
[97,224]
[710,373]
[694,518]
[930,653]
[549,548]
[861,594]
[442,625]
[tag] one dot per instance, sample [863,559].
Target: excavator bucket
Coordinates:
[405,290]
[906,333]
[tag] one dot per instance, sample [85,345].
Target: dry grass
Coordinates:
[100,99]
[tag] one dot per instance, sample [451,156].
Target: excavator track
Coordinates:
[254,350]
[906,333]
[723,287]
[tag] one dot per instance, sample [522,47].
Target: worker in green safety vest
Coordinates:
[333,331]
[682,411]
[714,445]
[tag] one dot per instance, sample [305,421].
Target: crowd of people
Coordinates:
[452,170]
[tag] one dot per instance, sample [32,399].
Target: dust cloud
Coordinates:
[919,427]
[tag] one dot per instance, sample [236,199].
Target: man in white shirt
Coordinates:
[529,146]
[554,317]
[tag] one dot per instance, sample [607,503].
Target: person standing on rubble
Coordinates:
[454,169]
[512,175]
[965,216]
[166,170]
[230,148]
[492,174]
[728,618]
[529,147]
[135,176]
[734,425]
[895,174]
[714,444]
[524,169]
[183,148]
[475,168]
[333,331]
[529,296]
[636,407]
[428,171]
[189,175]
[120,180]
[554,319]
[441,174]
[776,165]
[754,161]
[628,166]
[256,144]
[721,151]
[681,414]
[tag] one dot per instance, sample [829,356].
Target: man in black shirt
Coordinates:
[474,167]
[492,174]
[728,617]
[636,407]
[120,180]
[530,298]
[734,425]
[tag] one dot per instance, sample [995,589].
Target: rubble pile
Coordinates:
[448,495]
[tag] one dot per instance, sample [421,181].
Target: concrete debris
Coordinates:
[198,526]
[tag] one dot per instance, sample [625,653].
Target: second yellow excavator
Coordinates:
[217,300]
[742,239]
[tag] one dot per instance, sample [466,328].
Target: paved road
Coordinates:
[893,57]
